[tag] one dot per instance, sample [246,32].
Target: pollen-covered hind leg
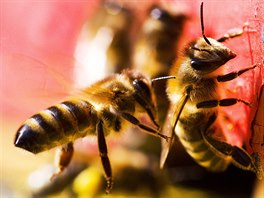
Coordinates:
[239,156]
[63,158]
[104,156]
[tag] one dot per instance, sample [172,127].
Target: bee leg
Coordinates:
[239,156]
[233,75]
[148,109]
[152,118]
[230,35]
[223,103]
[130,118]
[63,158]
[104,157]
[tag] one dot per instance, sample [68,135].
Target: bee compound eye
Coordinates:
[142,88]
[197,65]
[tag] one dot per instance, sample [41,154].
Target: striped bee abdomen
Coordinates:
[204,156]
[56,125]
[190,135]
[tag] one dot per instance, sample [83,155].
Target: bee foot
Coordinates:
[56,174]
[109,185]
[165,137]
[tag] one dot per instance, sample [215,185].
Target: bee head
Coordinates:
[142,87]
[140,82]
[143,92]
[208,54]
[206,58]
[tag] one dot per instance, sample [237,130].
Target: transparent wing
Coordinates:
[30,84]
[170,125]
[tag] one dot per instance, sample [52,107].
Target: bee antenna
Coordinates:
[202,25]
[162,78]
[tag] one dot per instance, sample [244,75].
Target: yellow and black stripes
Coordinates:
[204,156]
[57,125]
[193,141]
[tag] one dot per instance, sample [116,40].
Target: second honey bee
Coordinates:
[195,105]
[103,108]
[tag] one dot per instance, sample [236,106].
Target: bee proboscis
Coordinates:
[104,107]
[195,103]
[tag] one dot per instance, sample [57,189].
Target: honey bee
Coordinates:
[195,102]
[156,49]
[104,107]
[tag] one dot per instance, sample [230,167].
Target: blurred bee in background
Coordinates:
[194,111]
[105,41]
[156,49]
[114,22]
[104,107]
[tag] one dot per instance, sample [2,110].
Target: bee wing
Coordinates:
[99,96]
[37,81]
[100,92]
[54,80]
[170,125]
